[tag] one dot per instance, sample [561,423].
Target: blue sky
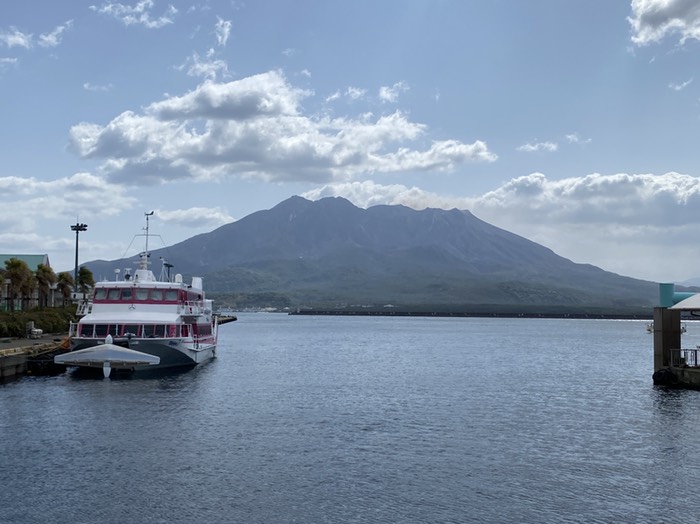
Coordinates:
[574,124]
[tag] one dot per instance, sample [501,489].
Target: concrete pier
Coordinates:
[12,365]
[20,357]
[674,366]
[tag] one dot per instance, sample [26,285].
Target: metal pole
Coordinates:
[78,227]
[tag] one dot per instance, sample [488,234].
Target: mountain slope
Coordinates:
[330,250]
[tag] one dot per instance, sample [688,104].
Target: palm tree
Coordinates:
[85,280]
[65,285]
[21,280]
[45,278]
[27,289]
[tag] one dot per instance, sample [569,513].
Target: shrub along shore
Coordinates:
[50,320]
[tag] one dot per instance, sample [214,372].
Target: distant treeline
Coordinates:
[486,310]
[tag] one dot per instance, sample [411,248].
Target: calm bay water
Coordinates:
[357,419]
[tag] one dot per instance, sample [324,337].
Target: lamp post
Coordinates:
[78,227]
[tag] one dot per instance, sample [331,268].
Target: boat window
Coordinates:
[160,331]
[141,294]
[86,330]
[171,295]
[157,294]
[126,293]
[129,329]
[113,294]
[112,330]
[100,294]
[148,331]
[101,330]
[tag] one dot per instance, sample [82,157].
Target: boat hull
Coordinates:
[169,353]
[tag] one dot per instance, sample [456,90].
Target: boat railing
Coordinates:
[685,358]
[84,308]
[191,308]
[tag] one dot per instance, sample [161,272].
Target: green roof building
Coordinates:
[32,261]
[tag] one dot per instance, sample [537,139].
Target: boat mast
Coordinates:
[146,254]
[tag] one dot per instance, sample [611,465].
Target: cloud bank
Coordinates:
[654,20]
[256,128]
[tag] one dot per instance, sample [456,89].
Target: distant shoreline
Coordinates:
[465,314]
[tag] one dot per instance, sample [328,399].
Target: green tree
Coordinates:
[45,278]
[27,290]
[65,285]
[85,280]
[21,280]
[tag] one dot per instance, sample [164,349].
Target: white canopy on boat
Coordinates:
[116,356]
[689,303]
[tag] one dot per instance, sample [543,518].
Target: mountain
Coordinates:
[330,251]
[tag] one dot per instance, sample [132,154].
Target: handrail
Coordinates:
[191,307]
[685,358]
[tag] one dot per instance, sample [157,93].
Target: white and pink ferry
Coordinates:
[142,322]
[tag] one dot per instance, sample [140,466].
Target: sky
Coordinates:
[574,124]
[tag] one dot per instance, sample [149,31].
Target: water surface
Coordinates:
[365,419]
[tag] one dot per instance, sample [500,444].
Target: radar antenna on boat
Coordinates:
[165,270]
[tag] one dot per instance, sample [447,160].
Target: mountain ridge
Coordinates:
[331,251]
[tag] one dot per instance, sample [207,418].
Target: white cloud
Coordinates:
[653,20]
[391,94]
[94,87]
[8,62]
[574,138]
[53,38]
[223,30]
[16,38]
[207,67]
[355,93]
[137,14]
[97,197]
[368,193]
[641,200]
[681,86]
[255,128]
[22,231]
[335,96]
[537,147]
[597,199]
[631,224]
[196,217]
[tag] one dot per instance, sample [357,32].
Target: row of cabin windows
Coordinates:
[142,330]
[127,294]
[135,330]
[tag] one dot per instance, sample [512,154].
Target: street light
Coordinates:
[77,228]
